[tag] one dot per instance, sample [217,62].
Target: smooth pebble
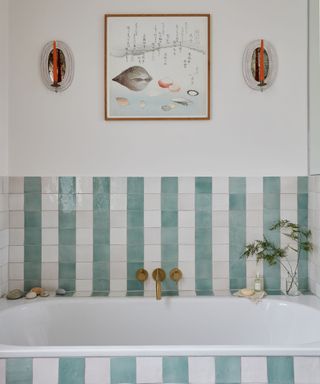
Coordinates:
[15,294]
[31,295]
[60,292]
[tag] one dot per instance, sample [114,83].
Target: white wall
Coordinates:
[249,134]
[4,87]
[314,88]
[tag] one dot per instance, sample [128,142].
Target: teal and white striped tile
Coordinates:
[97,370]
[72,370]
[123,370]
[303,218]
[228,370]
[280,370]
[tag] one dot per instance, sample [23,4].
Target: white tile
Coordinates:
[16,219]
[118,185]
[118,252]
[45,370]
[186,219]
[186,184]
[16,254]
[4,203]
[118,202]
[83,271]
[50,185]
[220,202]
[4,237]
[221,285]
[288,202]
[152,219]
[84,253]
[186,202]
[186,236]
[16,236]
[84,202]
[97,370]
[186,252]
[220,269]
[152,202]
[84,236]
[220,219]
[3,371]
[50,202]
[149,370]
[152,253]
[201,370]
[254,370]
[254,201]
[118,285]
[307,370]
[254,185]
[50,253]
[187,268]
[152,185]
[289,184]
[254,218]
[4,220]
[186,284]
[254,233]
[84,184]
[220,235]
[50,285]
[118,219]
[50,236]
[220,185]
[84,219]
[152,235]
[16,184]
[50,219]
[118,270]
[83,285]
[16,202]
[16,271]
[118,236]
[50,271]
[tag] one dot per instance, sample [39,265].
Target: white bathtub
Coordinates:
[177,326]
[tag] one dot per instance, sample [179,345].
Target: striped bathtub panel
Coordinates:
[32,232]
[156,370]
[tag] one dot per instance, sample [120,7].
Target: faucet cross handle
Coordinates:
[158,275]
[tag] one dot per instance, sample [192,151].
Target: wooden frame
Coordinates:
[161,43]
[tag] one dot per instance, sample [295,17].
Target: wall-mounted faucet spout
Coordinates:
[158,275]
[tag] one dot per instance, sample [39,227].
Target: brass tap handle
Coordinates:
[175,274]
[158,275]
[142,275]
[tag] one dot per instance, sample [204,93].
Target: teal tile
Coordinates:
[303,201]
[135,236]
[203,202]
[101,185]
[271,185]
[169,235]
[67,271]
[67,236]
[203,269]
[32,270]
[101,202]
[29,284]
[32,219]
[237,185]
[19,371]
[203,251]
[135,202]
[32,184]
[32,236]
[67,202]
[303,217]
[169,218]
[203,236]
[71,370]
[303,184]
[67,219]
[32,201]
[175,370]
[32,253]
[123,370]
[67,185]
[271,201]
[203,185]
[101,252]
[100,291]
[135,185]
[68,284]
[228,370]
[237,202]
[135,219]
[67,254]
[101,220]
[135,286]
[237,283]
[169,202]
[236,219]
[101,270]
[101,236]
[135,253]
[204,285]
[169,185]
[272,277]
[132,269]
[280,370]
[203,219]
[169,252]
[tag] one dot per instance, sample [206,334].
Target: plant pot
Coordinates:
[292,285]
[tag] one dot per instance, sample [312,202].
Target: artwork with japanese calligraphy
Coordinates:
[157,67]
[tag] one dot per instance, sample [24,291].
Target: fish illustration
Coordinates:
[135,78]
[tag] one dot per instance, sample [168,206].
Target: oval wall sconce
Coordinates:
[260,65]
[57,66]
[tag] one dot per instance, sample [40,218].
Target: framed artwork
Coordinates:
[157,66]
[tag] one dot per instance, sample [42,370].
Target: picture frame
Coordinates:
[157,66]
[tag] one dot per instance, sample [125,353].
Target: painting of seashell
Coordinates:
[135,78]
[122,101]
[168,107]
[182,101]
[165,83]
[174,87]
[142,104]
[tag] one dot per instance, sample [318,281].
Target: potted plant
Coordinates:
[298,240]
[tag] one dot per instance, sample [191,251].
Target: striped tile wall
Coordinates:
[156,370]
[91,234]
[314,225]
[4,234]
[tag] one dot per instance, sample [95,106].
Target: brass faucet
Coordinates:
[158,275]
